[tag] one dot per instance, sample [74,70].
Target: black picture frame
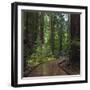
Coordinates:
[14,43]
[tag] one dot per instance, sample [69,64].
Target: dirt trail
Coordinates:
[52,68]
[48,69]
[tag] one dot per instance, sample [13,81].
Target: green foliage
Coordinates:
[45,36]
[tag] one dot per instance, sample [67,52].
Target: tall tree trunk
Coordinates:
[25,22]
[60,32]
[60,38]
[29,34]
[42,27]
[52,33]
[75,39]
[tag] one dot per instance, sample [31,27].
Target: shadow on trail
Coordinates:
[52,68]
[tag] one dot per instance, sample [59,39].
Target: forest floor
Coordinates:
[52,68]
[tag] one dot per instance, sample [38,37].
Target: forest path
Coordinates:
[49,68]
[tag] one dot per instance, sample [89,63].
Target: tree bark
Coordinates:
[52,33]
[75,39]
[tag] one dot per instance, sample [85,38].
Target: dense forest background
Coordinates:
[50,37]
